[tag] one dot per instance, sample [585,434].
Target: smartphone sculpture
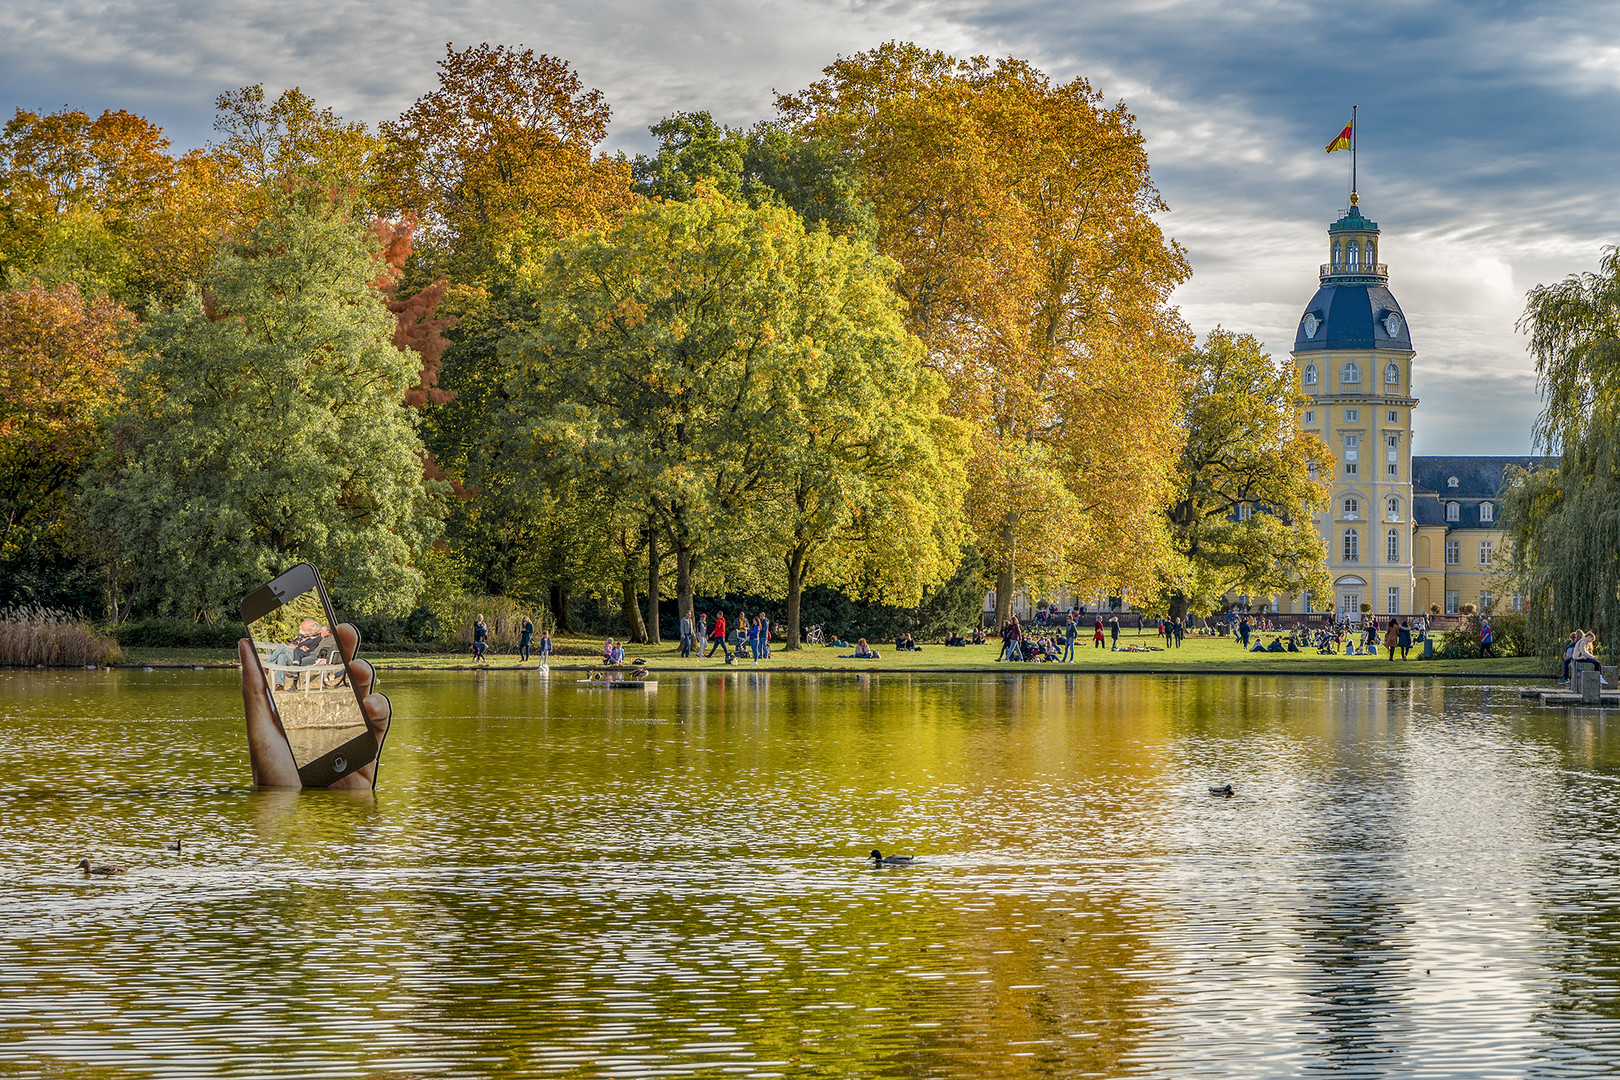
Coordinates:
[306,674]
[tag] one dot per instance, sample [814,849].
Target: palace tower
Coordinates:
[1353,351]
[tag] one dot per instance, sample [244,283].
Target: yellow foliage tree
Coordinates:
[1021,214]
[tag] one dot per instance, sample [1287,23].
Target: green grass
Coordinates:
[1196,655]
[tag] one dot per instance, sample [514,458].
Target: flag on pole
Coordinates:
[1342,142]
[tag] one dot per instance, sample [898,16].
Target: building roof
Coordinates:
[1477,477]
[1352,315]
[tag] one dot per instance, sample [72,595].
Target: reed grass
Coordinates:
[31,634]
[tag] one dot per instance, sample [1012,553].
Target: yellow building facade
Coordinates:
[1404,535]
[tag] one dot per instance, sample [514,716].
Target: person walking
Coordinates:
[1179,627]
[1069,629]
[764,635]
[545,650]
[1097,634]
[525,635]
[736,633]
[1113,633]
[686,636]
[720,636]
[1392,638]
[702,633]
[1243,632]
[1404,638]
[1487,637]
[753,638]
[480,635]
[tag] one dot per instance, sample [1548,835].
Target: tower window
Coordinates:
[1351,416]
[1392,510]
[1393,417]
[1310,374]
[1350,373]
[1392,546]
[1352,546]
[1453,511]
[1392,469]
[1392,440]
[1338,258]
[1486,513]
[1352,509]
[1392,374]
[1310,416]
[1355,255]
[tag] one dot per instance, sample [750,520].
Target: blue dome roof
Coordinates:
[1352,315]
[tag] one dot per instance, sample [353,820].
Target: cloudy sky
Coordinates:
[1488,129]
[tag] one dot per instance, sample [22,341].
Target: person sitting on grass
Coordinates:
[863,652]
[1276,645]
[978,635]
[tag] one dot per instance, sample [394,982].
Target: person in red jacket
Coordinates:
[720,636]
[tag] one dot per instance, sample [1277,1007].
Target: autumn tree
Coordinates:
[267,425]
[503,151]
[1249,483]
[1021,214]
[266,145]
[61,360]
[73,191]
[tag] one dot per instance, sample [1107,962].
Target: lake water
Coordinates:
[1415,878]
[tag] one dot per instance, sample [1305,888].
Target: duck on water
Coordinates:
[880,859]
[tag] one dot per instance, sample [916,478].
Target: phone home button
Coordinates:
[339,764]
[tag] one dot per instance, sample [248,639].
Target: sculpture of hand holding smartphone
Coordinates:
[312,718]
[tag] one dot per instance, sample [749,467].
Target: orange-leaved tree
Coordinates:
[1021,213]
[502,152]
[61,359]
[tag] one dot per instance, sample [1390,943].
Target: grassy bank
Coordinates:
[1197,655]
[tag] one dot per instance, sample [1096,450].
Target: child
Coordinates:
[545,650]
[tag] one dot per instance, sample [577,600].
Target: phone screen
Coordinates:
[292,627]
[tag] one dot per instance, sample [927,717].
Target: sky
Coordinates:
[1487,129]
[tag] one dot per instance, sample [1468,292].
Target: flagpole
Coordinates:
[1354,133]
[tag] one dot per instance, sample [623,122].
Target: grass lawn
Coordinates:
[1196,655]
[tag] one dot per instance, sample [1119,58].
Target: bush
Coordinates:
[1509,632]
[32,635]
[177,634]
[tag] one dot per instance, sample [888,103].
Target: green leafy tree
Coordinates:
[762,165]
[1563,523]
[670,364]
[266,426]
[1248,483]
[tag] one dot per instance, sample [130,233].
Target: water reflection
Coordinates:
[1413,877]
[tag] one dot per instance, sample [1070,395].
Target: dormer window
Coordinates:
[1486,513]
[1310,374]
[1392,374]
[1350,373]
[1451,482]
[1453,511]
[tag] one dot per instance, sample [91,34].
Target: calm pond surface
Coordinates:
[1415,878]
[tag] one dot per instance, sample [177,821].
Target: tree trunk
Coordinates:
[559,609]
[1178,604]
[632,611]
[684,601]
[795,596]
[1004,596]
[654,631]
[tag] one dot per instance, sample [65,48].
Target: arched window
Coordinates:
[1486,512]
[1355,256]
[1453,511]
[1351,508]
[1372,256]
[1392,551]
[1310,374]
[1352,546]
[1338,255]
[1392,510]
[1350,373]
[1392,373]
